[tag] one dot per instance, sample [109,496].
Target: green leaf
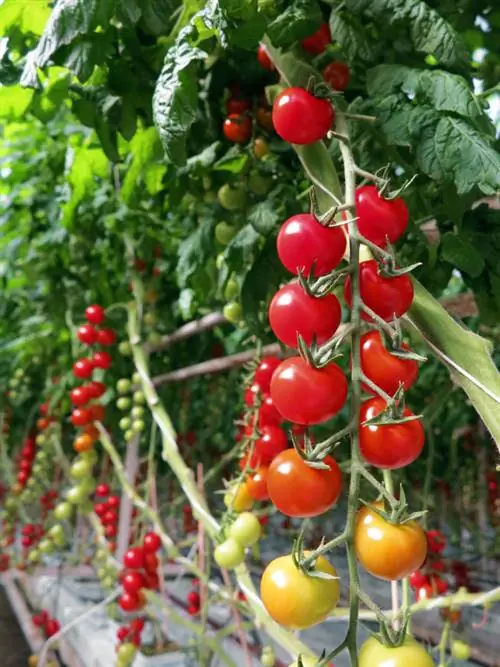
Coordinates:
[354,39]
[69,19]
[144,147]
[242,247]
[462,254]
[87,164]
[298,20]
[153,178]
[157,15]
[14,101]
[195,250]
[263,217]
[234,161]
[28,17]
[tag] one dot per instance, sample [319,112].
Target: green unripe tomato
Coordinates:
[155,338]
[137,412]
[14,382]
[229,554]
[150,319]
[80,469]
[32,483]
[138,426]
[109,582]
[63,511]
[210,197]
[34,556]
[10,504]
[124,423]
[19,373]
[90,455]
[460,649]
[127,652]
[233,312]
[123,386]
[232,198]
[139,397]
[224,232]
[268,657]
[42,457]
[56,533]
[41,439]
[219,261]
[37,470]
[232,290]
[101,555]
[128,435]
[258,184]
[46,547]
[77,495]
[246,529]
[136,378]
[206,182]
[89,483]
[125,349]
[86,507]
[123,403]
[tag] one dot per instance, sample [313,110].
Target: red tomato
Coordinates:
[268,413]
[87,334]
[337,75]
[80,417]
[306,395]
[298,490]
[114,501]
[237,105]
[251,393]
[294,312]
[387,297]
[238,128]
[101,360]
[96,389]
[94,314]
[318,41]
[79,396]
[301,118]
[102,490]
[106,337]
[97,412]
[418,579]
[304,242]
[389,446]
[134,558]
[436,541]
[151,562]
[132,582]
[383,368]
[257,484]
[380,219]
[270,444]
[151,542]
[264,59]
[265,371]
[130,602]
[83,368]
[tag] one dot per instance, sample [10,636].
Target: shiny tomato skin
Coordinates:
[237,105]
[238,128]
[306,395]
[298,490]
[265,371]
[374,654]
[268,413]
[300,118]
[380,219]
[386,370]
[337,75]
[79,396]
[388,551]
[257,484]
[94,314]
[264,59]
[87,334]
[389,446]
[83,368]
[106,337]
[80,417]
[294,599]
[318,41]
[387,297]
[303,242]
[292,312]
[272,442]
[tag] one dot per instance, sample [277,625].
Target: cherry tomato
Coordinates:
[295,599]
[374,654]
[130,602]
[298,490]
[418,579]
[388,551]
[386,370]
[106,337]
[425,592]
[268,413]
[79,396]
[94,314]
[304,243]
[134,558]
[300,118]
[229,554]
[307,395]
[151,542]
[292,312]
[80,417]
[132,582]
[264,59]
[237,105]
[270,444]
[264,117]
[102,490]
[238,498]
[380,219]
[387,297]
[257,484]
[337,75]
[436,541]
[318,41]
[246,529]
[83,443]
[265,371]
[83,368]
[96,389]
[101,360]
[251,394]
[97,412]
[87,334]
[460,649]
[389,446]
[238,128]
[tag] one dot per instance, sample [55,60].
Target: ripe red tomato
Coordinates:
[380,219]
[151,542]
[52,627]
[96,389]
[151,562]
[417,579]
[389,446]
[264,59]
[337,75]
[265,371]
[132,582]
[94,314]
[306,395]
[106,337]
[318,41]
[387,297]
[237,105]
[270,444]
[251,393]
[83,368]
[87,334]
[134,558]
[80,417]
[264,118]
[102,489]
[101,360]
[97,412]
[238,128]
[79,396]
[257,484]
[130,601]
[298,490]
[436,541]
[268,413]
[294,312]
[301,118]
[114,501]
[383,368]
[304,242]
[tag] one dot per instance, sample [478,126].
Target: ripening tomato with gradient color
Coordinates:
[318,41]
[293,312]
[301,118]
[389,446]
[388,551]
[337,75]
[306,395]
[410,654]
[257,483]
[298,490]
[387,297]
[305,244]
[379,219]
[386,370]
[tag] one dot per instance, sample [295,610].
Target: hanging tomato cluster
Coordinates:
[141,572]
[107,511]
[194,599]
[427,581]
[49,626]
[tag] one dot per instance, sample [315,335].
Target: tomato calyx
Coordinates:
[307,564]
[314,456]
[394,413]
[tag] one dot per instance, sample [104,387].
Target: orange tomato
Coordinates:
[83,443]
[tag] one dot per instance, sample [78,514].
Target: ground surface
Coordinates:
[14,651]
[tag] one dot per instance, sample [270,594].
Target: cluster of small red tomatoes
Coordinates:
[107,511]
[25,462]
[238,124]
[49,626]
